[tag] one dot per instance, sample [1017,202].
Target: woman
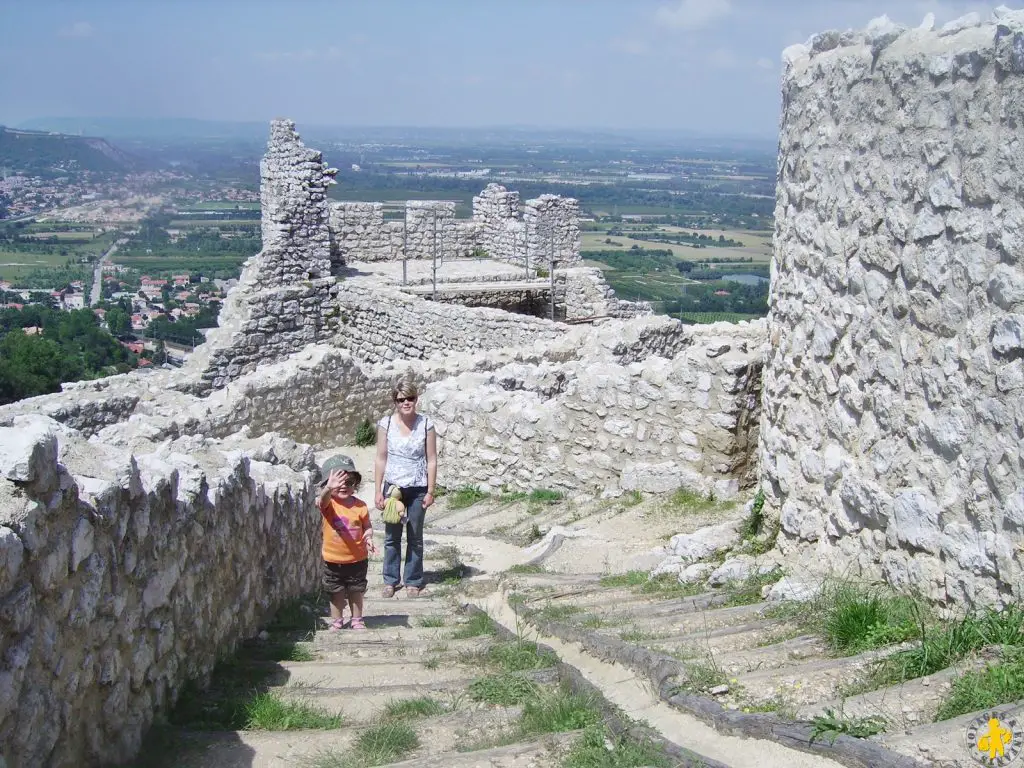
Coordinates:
[407,458]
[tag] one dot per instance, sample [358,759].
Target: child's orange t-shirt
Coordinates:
[348,547]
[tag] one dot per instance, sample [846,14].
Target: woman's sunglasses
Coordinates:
[405,399]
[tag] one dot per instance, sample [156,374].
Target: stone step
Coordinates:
[775,656]
[386,636]
[558,581]
[546,752]
[356,652]
[944,743]
[689,622]
[722,641]
[904,705]
[438,737]
[361,705]
[368,674]
[808,682]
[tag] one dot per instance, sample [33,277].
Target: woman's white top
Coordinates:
[407,454]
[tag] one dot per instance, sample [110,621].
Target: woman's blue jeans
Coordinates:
[413,500]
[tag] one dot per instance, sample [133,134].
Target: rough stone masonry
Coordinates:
[893,401]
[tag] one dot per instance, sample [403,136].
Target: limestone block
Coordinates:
[704,543]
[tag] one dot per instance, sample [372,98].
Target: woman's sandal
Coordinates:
[417,592]
[357,623]
[388,591]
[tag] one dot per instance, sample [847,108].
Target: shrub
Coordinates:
[366,434]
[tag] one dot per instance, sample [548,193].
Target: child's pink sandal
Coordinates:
[357,623]
[337,624]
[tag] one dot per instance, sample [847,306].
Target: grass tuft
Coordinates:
[831,725]
[505,689]
[269,712]
[524,568]
[545,496]
[466,496]
[479,624]
[366,433]
[431,622]
[556,612]
[702,676]
[519,655]
[631,498]
[411,708]
[748,591]
[385,743]
[628,579]
[559,712]
[597,748]
[996,684]
[857,618]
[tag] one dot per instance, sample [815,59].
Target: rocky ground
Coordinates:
[545,642]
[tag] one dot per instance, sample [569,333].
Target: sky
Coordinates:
[708,67]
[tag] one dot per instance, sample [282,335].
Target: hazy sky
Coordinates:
[695,65]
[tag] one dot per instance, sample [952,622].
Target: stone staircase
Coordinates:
[428,683]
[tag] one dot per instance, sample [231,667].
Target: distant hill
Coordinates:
[41,152]
[151,128]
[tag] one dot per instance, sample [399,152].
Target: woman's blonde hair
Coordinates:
[404,388]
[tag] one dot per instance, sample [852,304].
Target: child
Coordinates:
[348,538]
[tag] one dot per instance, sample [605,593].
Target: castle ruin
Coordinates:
[879,407]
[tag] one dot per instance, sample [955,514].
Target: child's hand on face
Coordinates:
[336,480]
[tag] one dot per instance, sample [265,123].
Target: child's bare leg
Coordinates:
[355,603]
[338,600]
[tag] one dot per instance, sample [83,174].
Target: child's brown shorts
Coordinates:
[345,577]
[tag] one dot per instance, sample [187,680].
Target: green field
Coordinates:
[713,317]
[148,265]
[220,205]
[757,245]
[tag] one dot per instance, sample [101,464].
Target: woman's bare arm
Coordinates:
[379,464]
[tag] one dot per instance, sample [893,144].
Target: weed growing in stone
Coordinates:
[385,743]
[631,498]
[545,496]
[556,612]
[637,635]
[512,497]
[431,621]
[269,712]
[400,709]
[505,689]
[751,525]
[748,591]
[558,712]
[782,707]
[857,618]
[593,621]
[689,502]
[628,579]
[996,684]
[702,676]
[597,748]
[431,663]
[366,434]
[941,645]
[479,624]
[525,568]
[466,496]
[831,725]
[518,655]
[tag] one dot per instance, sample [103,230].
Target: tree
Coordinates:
[119,322]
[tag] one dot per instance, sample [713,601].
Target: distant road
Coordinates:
[97,279]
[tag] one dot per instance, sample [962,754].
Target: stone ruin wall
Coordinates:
[894,382]
[685,414]
[122,500]
[125,574]
[501,227]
